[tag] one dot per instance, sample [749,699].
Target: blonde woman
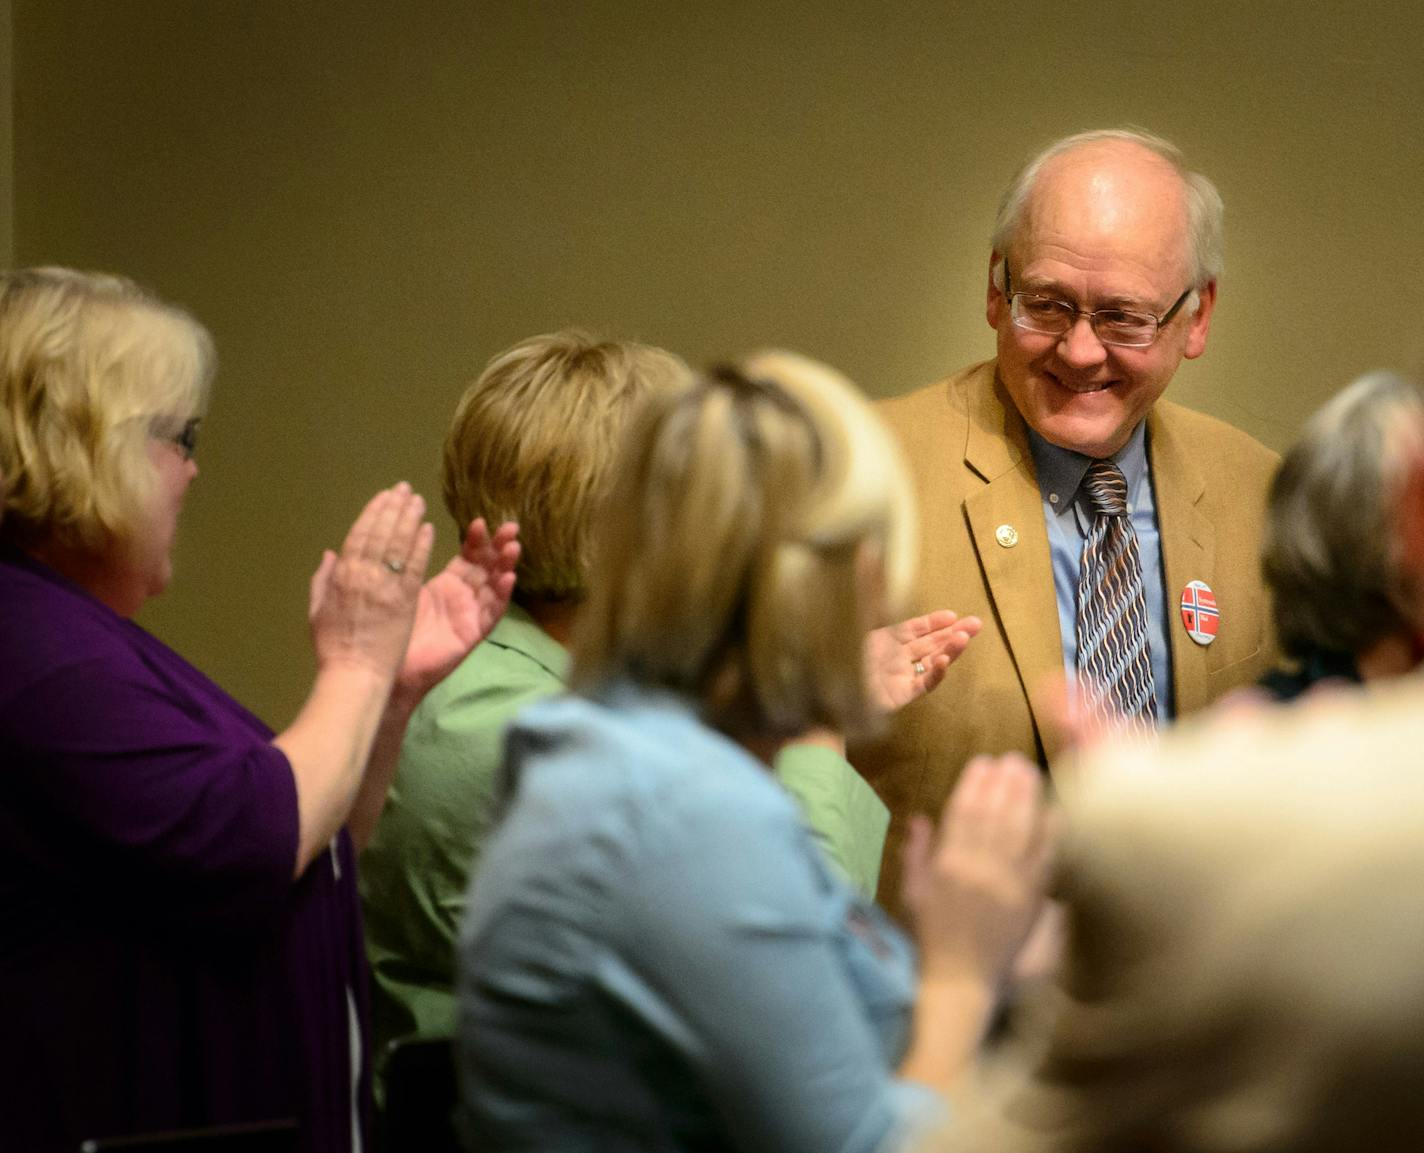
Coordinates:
[181,942]
[536,439]
[655,954]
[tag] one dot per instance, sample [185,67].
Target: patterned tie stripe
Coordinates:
[1114,661]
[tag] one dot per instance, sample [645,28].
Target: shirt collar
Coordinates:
[519,631]
[1060,471]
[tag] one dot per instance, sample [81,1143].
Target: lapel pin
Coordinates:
[1199,612]
[1007,535]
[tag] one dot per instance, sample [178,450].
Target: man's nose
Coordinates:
[1080,346]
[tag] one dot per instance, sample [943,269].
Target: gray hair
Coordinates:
[1330,553]
[1204,208]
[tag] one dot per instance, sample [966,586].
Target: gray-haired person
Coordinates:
[1345,601]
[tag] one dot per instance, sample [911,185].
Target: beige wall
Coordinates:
[7,140]
[365,200]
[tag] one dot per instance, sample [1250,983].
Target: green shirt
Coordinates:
[442,804]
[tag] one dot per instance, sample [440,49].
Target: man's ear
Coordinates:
[996,306]
[1199,323]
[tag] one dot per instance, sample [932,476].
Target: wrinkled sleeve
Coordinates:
[732,957]
[123,789]
[844,813]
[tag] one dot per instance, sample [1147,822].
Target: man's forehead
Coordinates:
[1105,207]
[1119,159]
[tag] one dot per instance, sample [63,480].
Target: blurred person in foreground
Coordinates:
[655,953]
[536,439]
[1345,602]
[182,942]
[1241,900]
[1244,925]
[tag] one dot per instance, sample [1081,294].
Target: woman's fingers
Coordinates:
[505,535]
[358,538]
[491,551]
[961,825]
[379,525]
[935,668]
[418,559]
[363,601]
[391,532]
[319,581]
[975,887]
[996,807]
[397,551]
[490,561]
[916,854]
[916,635]
[478,543]
[1021,816]
[951,640]
[905,661]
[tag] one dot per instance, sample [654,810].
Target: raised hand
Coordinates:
[905,661]
[976,886]
[459,606]
[363,598]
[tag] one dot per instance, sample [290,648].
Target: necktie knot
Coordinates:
[1106,488]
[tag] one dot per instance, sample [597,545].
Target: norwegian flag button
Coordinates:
[1200,615]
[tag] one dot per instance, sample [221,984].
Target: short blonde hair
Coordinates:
[1245,921]
[761,522]
[91,366]
[534,440]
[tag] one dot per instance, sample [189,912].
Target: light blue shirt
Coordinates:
[655,954]
[1069,516]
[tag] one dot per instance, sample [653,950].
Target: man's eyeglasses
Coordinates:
[186,438]
[1052,317]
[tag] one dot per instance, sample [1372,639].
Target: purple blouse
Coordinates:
[159,969]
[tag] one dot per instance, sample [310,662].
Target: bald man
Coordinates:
[1092,525]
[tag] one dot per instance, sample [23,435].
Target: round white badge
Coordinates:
[1200,616]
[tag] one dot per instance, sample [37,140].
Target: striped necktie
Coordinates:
[1114,664]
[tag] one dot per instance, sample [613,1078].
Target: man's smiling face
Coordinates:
[1105,226]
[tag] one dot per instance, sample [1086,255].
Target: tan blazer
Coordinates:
[968,452]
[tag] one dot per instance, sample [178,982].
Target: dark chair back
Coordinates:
[419,1116]
[262,1137]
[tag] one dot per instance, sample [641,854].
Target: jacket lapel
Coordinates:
[1188,548]
[1009,508]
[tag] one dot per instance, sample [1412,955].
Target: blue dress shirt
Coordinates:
[1069,516]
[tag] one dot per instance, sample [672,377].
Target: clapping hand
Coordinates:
[905,661]
[975,885]
[362,598]
[459,606]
